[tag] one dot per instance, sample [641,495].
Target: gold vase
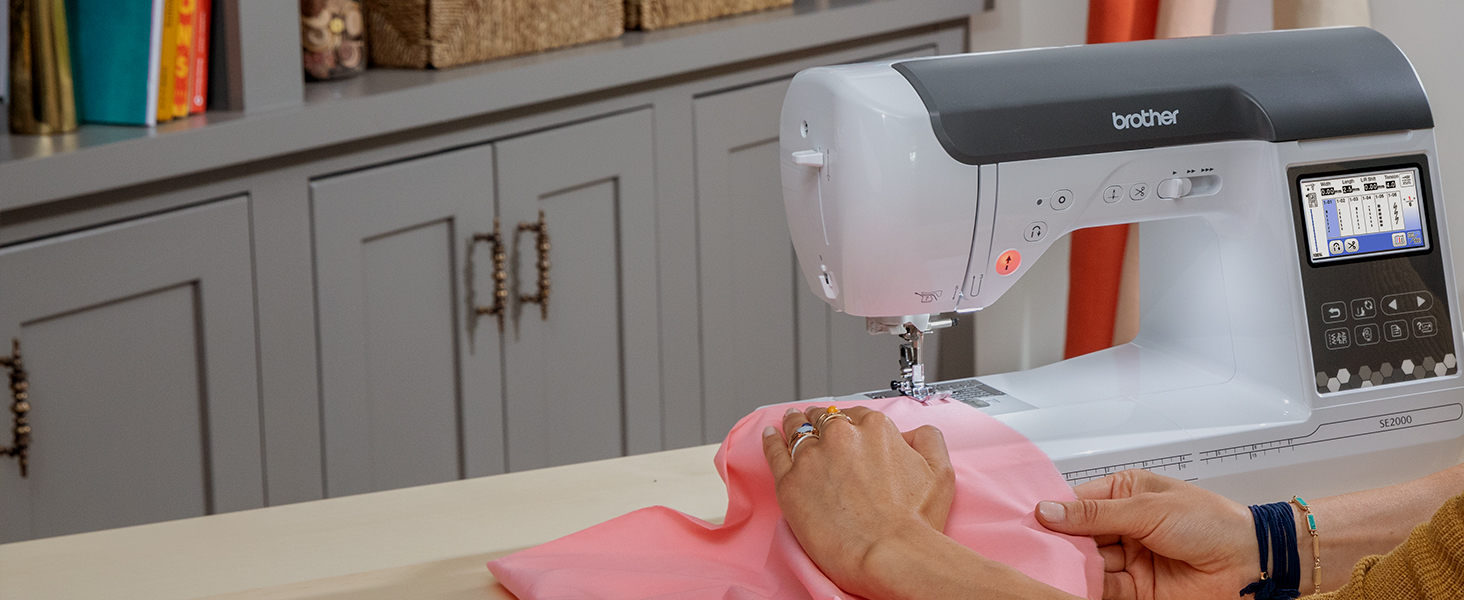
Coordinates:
[42,100]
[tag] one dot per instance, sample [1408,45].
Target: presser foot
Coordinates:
[912,373]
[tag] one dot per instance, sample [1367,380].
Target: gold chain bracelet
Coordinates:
[1311,527]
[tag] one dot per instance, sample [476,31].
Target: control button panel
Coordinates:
[1364,308]
[1036,230]
[1395,331]
[1138,191]
[1425,327]
[1366,335]
[1379,312]
[1398,304]
[1061,199]
[1008,261]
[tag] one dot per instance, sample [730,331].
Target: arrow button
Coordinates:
[1411,302]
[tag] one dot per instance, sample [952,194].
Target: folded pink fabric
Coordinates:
[662,553]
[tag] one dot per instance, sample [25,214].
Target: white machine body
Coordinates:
[1244,376]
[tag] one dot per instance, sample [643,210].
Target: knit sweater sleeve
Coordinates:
[1429,565]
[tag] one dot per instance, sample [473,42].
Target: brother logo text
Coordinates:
[1145,118]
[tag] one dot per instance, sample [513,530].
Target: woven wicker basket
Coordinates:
[443,33]
[660,14]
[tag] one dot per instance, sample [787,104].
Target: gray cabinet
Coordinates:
[765,337]
[417,388]
[410,379]
[583,378]
[139,339]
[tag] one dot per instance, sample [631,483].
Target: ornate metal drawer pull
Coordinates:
[500,279]
[20,405]
[541,235]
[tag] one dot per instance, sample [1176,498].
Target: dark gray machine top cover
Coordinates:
[1273,86]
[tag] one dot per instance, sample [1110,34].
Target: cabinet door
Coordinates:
[410,380]
[765,337]
[139,342]
[583,379]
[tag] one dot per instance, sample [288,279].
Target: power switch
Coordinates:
[1178,187]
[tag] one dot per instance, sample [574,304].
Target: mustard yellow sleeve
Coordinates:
[1429,565]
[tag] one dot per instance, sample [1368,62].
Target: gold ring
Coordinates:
[830,414]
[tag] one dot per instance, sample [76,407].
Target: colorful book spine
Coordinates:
[169,45]
[183,58]
[155,57]
[198,76]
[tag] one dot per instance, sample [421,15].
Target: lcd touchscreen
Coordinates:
[1363,214]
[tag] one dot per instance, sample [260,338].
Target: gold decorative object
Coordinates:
[333,37]
[20,405]
[41,97]
[500,280]
[541,235]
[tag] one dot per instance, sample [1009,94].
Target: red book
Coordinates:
[198,74]
[183,60]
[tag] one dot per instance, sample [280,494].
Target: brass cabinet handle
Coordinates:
[500,279]
[20,405]
[541,239]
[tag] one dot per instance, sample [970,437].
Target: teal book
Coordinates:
[115,46]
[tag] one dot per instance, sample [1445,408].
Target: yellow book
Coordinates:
[183,58]
[166,57]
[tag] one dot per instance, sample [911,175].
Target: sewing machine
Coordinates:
[1297,294]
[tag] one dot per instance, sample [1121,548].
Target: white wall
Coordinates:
[1242,16]
[1429,31]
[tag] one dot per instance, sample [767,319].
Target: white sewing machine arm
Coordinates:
[1297,293]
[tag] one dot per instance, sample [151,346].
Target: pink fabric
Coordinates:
[657,552]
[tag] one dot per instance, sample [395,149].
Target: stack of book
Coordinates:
[139,62]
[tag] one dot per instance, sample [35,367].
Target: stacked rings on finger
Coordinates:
[831,414]
[804,432]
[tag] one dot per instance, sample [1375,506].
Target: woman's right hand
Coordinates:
[1161,537]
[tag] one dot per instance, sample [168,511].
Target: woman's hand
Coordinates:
[1161,537]
[858,486]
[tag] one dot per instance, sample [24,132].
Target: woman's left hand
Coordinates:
[858,485]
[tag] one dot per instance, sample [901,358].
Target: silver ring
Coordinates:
[793,453]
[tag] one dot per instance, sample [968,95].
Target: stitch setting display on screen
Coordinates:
[1363,214]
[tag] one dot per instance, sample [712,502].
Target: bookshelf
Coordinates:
[270,111]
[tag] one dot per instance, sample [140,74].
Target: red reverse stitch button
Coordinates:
[1007,263]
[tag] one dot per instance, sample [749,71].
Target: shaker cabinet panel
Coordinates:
[410,376]
[138,339]
[582,369]
[748,281]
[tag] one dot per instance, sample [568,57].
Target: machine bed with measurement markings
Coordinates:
[1297,298]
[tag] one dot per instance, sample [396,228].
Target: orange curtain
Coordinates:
[1096,267]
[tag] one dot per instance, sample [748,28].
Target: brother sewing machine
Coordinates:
[1298,305]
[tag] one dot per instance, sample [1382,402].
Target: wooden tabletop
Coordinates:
[427,543]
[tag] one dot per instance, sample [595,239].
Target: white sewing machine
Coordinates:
[1297,295]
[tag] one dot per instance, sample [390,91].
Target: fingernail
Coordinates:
[1052,512]
[792,411]
[770,431]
